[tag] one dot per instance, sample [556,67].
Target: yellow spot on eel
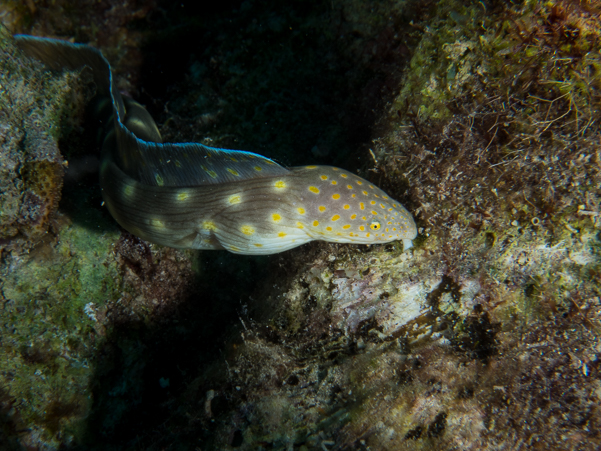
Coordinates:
[247,230]
[209,225]
[234,199]
[128,191]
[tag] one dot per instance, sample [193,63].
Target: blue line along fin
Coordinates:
[148,160]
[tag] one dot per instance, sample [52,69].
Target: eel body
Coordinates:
[194,196]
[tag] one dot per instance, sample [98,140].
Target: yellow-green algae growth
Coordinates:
[51,297]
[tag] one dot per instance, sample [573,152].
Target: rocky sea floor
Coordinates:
[481,118]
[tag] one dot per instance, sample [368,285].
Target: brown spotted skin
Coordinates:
[261,215]
[193,196]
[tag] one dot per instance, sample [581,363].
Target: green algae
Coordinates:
[50,297]
[47,278]
[57,272]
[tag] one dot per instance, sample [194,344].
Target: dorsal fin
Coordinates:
[150,162]
[188,164]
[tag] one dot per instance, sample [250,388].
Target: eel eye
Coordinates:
[375,225]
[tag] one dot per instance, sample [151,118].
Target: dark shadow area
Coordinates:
[10,423]
[81,196]
[143,367]
[82,201]
[298,81]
